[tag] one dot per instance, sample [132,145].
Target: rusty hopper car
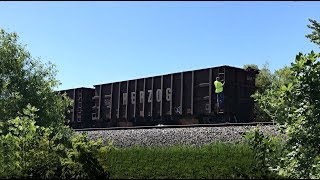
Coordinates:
[179,98]
[80,113]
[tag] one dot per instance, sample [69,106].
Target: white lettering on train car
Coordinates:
[159,95]
[150,96]
[141,96]
[168,94]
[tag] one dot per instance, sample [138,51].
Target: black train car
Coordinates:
[179,98]
[80,111]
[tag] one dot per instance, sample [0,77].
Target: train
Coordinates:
[179,98]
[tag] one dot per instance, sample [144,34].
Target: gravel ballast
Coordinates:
[196,136]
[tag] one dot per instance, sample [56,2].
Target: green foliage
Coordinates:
[300,116]
[212,161]
[267,82]
[37,143]
[263,81]
[31,151]
[264,78]
[315,35]
[267,151]
[282,77]
[251,66]
[86,159]
[294,103]
[25,80]
[10,158]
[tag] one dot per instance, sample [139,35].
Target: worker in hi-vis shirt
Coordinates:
[219,90]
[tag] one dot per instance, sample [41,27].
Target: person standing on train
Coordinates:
[219,91]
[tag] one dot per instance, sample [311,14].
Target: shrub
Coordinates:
[31,151]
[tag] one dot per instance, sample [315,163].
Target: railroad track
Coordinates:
[178,126]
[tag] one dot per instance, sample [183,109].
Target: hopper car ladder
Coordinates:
[79,106]
[221,75]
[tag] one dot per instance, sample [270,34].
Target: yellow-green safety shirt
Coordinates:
[219,86]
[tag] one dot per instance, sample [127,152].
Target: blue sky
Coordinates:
[102,42]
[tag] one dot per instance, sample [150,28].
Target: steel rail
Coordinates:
[178,126]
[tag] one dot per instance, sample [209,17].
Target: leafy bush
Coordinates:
[295,106]
[267,151]
[31,151]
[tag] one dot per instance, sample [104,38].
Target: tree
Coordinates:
[264,78]
[266,81]
[34,140]
[315,34]
[263,82]
[251,66]
[293,103]
[282,77]
[296,107]
[24,80]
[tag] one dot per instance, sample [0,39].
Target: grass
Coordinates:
[214,161]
